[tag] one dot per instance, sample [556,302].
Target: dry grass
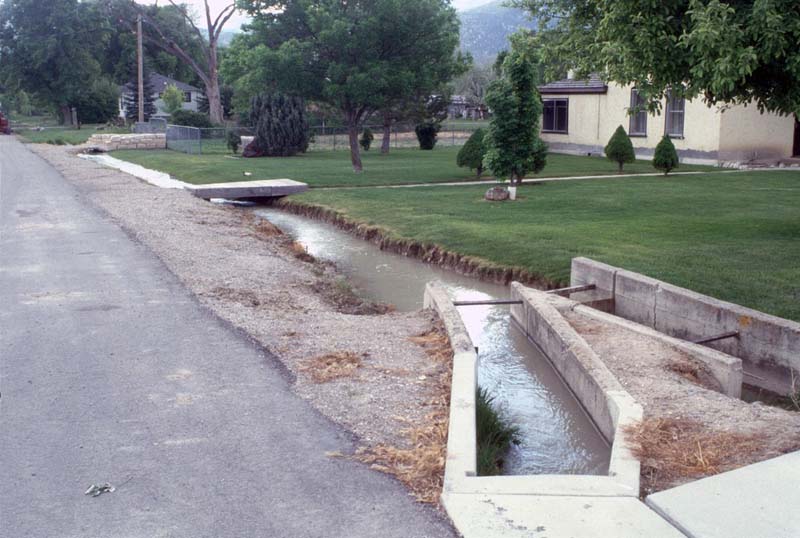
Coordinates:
[694,372]
[420,465]
[676,451]
[331,366]
[262,228]
[300,252]
[339,293]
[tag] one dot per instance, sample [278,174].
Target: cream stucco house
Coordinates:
[581,115]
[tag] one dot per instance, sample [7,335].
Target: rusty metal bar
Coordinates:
[483,303]
[572,289]
[723,336]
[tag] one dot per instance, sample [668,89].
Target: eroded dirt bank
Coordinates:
[379,375]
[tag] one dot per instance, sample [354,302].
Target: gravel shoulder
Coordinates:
[255,281]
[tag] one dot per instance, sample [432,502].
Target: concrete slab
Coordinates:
[248,190]
[490,516]
[759,500]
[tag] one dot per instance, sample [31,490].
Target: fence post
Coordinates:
[334,140]
[453,130]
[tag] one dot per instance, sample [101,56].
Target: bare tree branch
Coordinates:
[219,24]
[183,11]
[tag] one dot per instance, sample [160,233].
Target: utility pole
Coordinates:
[140,61]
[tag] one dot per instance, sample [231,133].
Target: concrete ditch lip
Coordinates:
[558,505]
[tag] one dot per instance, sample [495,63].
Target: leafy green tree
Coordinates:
[23,103]
[620,148]
[49,48]
[281,129]
[472,153]
[99,103]
[119,57]
[725,51]
[665,158]
[173,99]
[513,146]
[206,65]
[357,57]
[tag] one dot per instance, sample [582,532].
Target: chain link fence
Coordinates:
[400,136]
[197,141]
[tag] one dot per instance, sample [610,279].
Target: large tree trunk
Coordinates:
[387,134]
[66,114]
[355,150]
[215,111]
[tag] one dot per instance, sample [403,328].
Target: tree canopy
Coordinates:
[51,49]
[358,57]
[736,51]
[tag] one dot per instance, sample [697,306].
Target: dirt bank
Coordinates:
[429,253]
[384,380]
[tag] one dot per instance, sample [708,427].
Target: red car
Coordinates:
[4,127]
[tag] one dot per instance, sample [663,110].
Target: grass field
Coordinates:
[62,136]
[333,169]
[732,236]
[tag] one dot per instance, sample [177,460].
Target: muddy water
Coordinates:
[557,436]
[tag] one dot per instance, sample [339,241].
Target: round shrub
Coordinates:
[426,134]
[665,158]
[471,154]
[233,140]
[366,139]
[189,118]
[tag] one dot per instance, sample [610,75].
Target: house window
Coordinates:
[676,107]
[187,97]
[556,116]
[638,119]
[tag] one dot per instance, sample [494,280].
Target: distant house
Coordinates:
[581,115]
[159,83]
[461,108]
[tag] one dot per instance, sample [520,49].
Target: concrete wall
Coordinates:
[113,142]
[746,135]
[767,344]
[710,136]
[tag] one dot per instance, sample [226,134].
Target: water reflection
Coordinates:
[557,436]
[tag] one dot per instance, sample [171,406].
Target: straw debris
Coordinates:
[420,465]
[331,366]
[675,451]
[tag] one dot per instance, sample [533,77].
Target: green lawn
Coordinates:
[732,236]
[333,169]
[62,136]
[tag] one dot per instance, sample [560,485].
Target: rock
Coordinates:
[251,150]
[497,194]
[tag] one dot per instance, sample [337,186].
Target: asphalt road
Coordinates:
[110,371]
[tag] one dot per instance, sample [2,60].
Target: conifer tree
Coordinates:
[620,148]
[665,158]
[281,128]
[513,146]
[130,100]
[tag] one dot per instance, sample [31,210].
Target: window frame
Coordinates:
[640,116]
[669,116]
[555,101]
[187,97]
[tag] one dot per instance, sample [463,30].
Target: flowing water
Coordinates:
[557,437]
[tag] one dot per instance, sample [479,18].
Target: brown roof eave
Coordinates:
[564,91]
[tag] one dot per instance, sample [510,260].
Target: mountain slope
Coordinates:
[485,29]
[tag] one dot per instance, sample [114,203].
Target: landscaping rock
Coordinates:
[497,194]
